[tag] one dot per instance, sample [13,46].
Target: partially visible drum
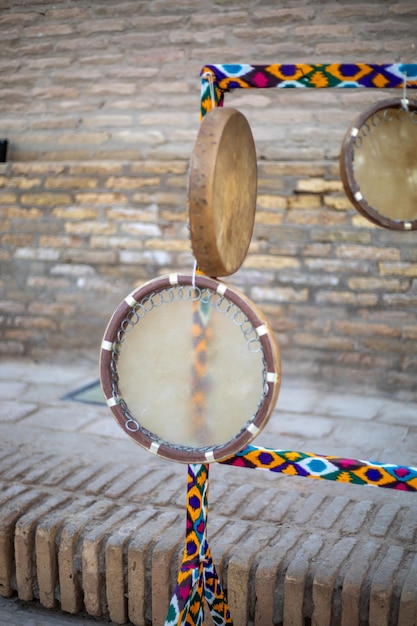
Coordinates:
[190,368]
[378,164]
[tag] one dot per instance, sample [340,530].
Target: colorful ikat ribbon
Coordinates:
[197,578]
[356,472]
[222,78]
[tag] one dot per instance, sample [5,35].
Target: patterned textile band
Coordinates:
[197,578]
[217,79]
[399,477]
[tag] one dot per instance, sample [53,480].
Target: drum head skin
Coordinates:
[222,192]
[378,164]
[190,368]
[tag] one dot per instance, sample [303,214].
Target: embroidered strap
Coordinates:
[197,578]
[399,477]
[217,79]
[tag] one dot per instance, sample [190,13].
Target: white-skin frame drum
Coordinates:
[190,368]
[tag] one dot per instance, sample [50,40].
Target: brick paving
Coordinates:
[92,526]
[16,613]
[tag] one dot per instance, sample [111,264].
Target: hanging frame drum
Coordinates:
[378,164]
[222,192]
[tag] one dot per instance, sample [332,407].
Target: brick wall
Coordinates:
[100,103]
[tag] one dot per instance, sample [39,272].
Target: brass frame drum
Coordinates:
[378,164]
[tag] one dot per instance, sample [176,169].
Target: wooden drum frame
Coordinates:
[222,192]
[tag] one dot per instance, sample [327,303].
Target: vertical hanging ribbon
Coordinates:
[197,578]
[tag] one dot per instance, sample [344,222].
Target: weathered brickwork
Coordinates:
[100,104]
[77,238]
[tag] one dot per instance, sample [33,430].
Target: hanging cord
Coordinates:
[404,100]
[194,273]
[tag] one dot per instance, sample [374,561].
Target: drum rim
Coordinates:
[211,258]
[350,184]
[270,351]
